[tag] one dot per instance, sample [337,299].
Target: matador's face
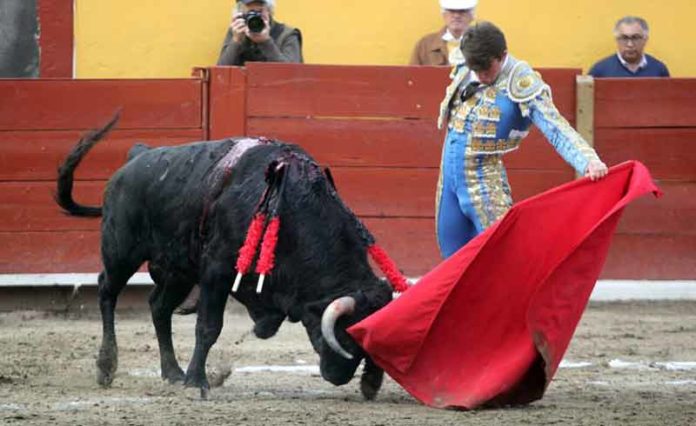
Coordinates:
[490,74]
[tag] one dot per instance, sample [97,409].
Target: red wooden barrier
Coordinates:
[654,121]
[40,121]
[645,102]
[35,154]
[374,126]
[50,252]
[82,104]
[227,101]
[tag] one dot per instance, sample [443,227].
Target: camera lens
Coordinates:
[254,21]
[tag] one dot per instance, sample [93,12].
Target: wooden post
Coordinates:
[228,104]
[584,108]
[203,74]
[56,38]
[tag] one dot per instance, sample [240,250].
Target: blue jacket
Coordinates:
[497,117]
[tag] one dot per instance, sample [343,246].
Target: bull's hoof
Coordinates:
[104,378]
[201,383]
[174,375]
[186,310]
[370,383]
[105,374]
[106,370]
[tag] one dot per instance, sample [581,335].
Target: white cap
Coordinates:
[458,4]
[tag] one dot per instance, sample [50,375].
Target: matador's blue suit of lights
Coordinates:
[491,120]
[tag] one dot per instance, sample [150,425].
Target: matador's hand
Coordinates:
[596,170]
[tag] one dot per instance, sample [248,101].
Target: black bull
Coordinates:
[172,207]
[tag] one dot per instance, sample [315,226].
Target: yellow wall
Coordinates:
[148,38]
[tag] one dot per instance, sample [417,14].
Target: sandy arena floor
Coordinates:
[629,363]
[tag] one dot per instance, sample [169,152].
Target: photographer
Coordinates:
[254,36]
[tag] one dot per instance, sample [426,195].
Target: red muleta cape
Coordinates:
[489,325]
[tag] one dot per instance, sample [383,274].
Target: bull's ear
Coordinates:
[271,172]
[329,177]
[378,296]
[316,308]
[275,172]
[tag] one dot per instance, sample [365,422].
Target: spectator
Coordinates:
[491,103]
[442,47]
[270,42]
[631,33]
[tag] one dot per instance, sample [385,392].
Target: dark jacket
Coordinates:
[285,45]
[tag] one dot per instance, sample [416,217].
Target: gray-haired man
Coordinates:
[630,60]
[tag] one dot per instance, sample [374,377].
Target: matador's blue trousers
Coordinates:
[473,192]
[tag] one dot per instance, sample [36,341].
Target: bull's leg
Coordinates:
[110,285]
[371,379]
[122,256]
[167,295]
[190,304]
[211,308]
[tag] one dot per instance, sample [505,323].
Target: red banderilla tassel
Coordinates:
[388,267]
[267,256]
[248,250]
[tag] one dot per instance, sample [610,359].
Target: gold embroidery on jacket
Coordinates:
[490,146]
[488,188]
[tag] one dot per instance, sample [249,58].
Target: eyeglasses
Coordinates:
[635,38]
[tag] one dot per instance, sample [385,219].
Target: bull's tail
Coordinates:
[66,171]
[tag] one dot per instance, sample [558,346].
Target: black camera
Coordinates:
[254,21]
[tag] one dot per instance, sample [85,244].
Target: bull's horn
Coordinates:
[342,306]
